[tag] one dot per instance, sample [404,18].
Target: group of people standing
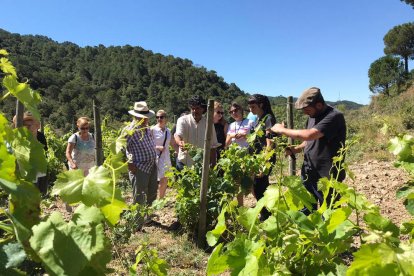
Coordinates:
[322,139]
[148,151]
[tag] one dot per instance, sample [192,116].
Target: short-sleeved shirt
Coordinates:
[244,126]
[318,153]
[84,150]
[193,133]
[141,148]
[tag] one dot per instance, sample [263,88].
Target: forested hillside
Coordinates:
[69,76]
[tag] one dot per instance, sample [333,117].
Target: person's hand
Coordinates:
[73,165]
[181,144]
[160,148]
[277,128]
[240,135]
[290,151]
[132,168]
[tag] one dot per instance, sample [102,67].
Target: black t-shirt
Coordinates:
[42,139]
[318,153]
[221,136]
[260,142]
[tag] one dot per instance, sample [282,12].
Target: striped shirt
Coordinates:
[141,147]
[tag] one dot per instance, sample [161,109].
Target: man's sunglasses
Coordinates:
[233,111]
[160,117]
[220,112]
[84,128]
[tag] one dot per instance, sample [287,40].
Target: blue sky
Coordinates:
[270,47]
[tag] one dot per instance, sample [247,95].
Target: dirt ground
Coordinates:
[379,182]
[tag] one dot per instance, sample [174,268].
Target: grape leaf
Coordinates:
[29,153]
[6,66]
[217,263]
[215,234]
[95,188]
[24,94]
[112,211]
[15,254]
[60,245]
[374,259]
[24,208]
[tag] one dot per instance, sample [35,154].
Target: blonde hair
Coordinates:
[162,111]
[82,121]
[219,105]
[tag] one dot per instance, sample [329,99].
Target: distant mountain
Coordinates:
[348,105]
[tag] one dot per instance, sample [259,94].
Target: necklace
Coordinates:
[235,125]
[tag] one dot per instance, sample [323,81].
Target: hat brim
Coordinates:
[150,114]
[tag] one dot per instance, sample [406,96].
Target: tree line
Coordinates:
[391,70]
[68,77]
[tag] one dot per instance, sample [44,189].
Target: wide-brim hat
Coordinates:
[141,110]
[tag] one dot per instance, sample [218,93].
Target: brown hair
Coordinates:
[236,106]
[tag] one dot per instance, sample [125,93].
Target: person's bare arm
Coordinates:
[179,141]
[297,134]
[69,150]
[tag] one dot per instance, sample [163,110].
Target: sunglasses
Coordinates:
[233,111]
[160,117]
[220,112]
[84,128]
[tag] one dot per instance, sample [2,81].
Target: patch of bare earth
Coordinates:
[379,182]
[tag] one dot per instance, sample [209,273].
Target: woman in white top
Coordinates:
[80,151]
[237,133]
[162,139]
[239,129]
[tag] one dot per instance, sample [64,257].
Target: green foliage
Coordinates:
[69,77]
[400,41]
[56,153]
[383,73]
[77,247]
[289,242]
[151,261]
[82,241]
[408,2]
[403,148]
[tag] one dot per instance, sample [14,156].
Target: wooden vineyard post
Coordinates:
[292,161]
[204,177]
[98,133]
[19,114]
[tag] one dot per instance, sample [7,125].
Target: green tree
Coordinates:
[409,2]
[400,41]
[383,73]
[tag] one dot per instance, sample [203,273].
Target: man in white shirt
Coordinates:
[191,129]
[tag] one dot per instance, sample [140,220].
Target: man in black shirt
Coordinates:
[324,135]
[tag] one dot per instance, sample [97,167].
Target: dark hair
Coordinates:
[267,108]
[197,101]
[236,106]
